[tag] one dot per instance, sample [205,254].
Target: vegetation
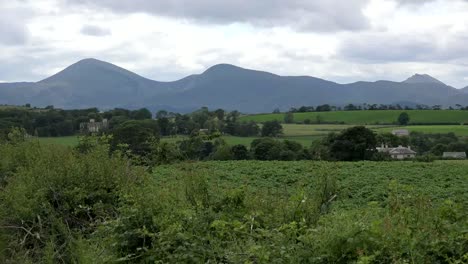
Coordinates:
[50,122]
[370,117]
[90,205]
[403,119]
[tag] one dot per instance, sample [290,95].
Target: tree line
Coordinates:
[365,106]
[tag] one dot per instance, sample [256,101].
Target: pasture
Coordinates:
[369,117]
[304,134]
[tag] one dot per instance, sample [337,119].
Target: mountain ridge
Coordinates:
[422,78]
[92,82]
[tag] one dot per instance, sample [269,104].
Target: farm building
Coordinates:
[455,155]
[401,132]
[398,153]
[94,127]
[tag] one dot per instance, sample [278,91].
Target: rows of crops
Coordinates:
[309,212]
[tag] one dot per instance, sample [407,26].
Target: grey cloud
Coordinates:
[420,2]
[96,31]
[381,48]
[12,32]
[312,15]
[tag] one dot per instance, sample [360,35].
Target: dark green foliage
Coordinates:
[141,114]
[271,149]
[240,152]
[272,129]
[222,152]
[356,143]
[403,119]
[138,135]
[52,122]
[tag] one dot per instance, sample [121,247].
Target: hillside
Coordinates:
[370,117]
[422,78]
[91,82]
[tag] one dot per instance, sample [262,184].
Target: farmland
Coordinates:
[359,183]
[304,134]
[93,206]
[370,117]
[266,206]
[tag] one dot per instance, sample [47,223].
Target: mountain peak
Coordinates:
[422,78]
[223,67]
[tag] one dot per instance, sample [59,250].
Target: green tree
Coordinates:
[240,152]
[141,114]
[272,129]
[403,119]
[355,143]
[138,135]
[289,118]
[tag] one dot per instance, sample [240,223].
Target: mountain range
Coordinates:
[94,83]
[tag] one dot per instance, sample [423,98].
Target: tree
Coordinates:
[138,135]
[289,118]
[141,114]
[240,152]
[220,114]
[355,143]
[403,119]
[272,129]
[266,149]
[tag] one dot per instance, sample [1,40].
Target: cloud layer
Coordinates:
[329,15]
[344,41]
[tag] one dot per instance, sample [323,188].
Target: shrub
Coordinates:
[57,195]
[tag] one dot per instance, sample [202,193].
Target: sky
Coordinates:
[165,40]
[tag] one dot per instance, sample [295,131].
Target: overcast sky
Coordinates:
[343,41]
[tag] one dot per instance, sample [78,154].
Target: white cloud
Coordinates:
[344,41]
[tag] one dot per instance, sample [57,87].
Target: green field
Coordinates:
[370,117]
[304,134]
[66,141]
[384,212]
[359,183]
[459,130]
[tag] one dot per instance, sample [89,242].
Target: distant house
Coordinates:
[454,155]
[94,127]
[401,132]
[399,153]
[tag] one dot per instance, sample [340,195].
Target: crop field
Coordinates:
[370,117]
[313,212]
[359,183]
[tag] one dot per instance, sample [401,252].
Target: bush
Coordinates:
[57,195]
[240,152]
[272,129]
[222,152]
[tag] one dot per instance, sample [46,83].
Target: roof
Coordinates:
[402,150]
[461,155]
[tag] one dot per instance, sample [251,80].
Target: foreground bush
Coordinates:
[54,196]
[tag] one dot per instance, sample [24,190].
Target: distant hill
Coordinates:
[423,78]
[90,83]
